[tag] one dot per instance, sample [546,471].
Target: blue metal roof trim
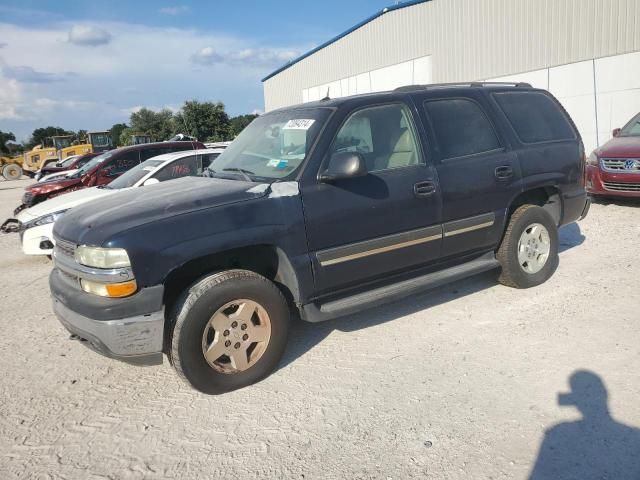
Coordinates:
[344,34]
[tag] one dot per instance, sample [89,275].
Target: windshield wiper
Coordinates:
[245,173]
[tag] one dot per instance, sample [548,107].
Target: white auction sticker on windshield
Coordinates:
[299,124]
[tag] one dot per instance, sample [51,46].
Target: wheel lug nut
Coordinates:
[237,345]
[244,326]
[234,324]
[245,337]
[227,343]
[226,333]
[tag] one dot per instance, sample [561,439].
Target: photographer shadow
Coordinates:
[594,447]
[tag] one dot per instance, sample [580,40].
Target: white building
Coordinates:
[586,52]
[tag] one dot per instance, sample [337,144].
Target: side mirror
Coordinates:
[150,181]
[616,132]
[344,165]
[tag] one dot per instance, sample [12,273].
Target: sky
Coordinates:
[88,65]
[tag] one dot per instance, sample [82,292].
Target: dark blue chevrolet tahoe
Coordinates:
[322,209]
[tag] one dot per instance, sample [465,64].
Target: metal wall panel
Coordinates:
[469,40]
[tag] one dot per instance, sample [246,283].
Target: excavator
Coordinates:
[56,149]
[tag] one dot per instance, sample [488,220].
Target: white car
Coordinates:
[56,175]
[36,223]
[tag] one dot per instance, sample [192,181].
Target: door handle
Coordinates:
[424,189]
[504,172]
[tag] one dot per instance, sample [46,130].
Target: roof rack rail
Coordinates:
[411,88]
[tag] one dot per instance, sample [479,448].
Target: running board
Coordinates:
[314,312]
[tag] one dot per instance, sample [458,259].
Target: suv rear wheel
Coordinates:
[230,330]
[528,253]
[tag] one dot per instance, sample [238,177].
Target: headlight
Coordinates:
[45,219]
[112,290]
[592,159]
[102,257]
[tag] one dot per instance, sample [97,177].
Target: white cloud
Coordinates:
[140,65]
[10,97]
[88,35]
[260,57]
[176,10]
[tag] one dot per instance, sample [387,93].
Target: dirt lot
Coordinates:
[461,382]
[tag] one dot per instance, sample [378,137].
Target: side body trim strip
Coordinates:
[388,243]
[396,241]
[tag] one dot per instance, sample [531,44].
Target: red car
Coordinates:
[613,170]
[101,170]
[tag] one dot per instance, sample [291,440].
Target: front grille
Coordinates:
[63,247]
[626,165]
[622,187]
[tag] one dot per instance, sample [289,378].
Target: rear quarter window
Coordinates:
[535,117]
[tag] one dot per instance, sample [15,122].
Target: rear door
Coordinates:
[477,172]
[388,221]
[116,166]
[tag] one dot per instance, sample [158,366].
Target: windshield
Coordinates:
[273,147]
[129,178]
[92,163]
[69,160]
[631,129]
[99,140]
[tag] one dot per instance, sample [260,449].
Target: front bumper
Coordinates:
[130,329]
[604,183]
[135,340]
[38,240]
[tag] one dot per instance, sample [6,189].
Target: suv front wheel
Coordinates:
[528,253]
[230,330]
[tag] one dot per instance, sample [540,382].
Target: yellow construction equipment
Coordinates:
[62,146]
[11,167]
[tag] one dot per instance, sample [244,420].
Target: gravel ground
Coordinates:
[461,382]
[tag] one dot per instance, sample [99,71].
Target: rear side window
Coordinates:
[461,127]
[535,117]
[123,162]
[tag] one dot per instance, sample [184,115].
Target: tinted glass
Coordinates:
[184,167]
[384,136]
[535,116]
[128,179]
[461,127]
[123,163]
[207,159]
[631,129]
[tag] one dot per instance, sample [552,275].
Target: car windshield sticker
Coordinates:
[277,163]
[299,124]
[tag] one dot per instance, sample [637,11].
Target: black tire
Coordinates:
[191,316]
[12,172]
[513,274]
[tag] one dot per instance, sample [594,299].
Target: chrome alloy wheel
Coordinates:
[533,248]
[236,336]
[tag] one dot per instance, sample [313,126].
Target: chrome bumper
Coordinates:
[136,340]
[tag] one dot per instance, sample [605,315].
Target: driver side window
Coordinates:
[383,135]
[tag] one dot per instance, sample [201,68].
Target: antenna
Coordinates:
[327,97]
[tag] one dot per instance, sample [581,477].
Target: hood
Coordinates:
[620,147]
[95,222]
[63,202]
[41,188]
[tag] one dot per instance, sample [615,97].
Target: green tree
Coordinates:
[39,135]
[115,132]
[240,122]
[4,138]
[207,121]
[157,124]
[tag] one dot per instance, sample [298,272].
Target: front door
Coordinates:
[369,227]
